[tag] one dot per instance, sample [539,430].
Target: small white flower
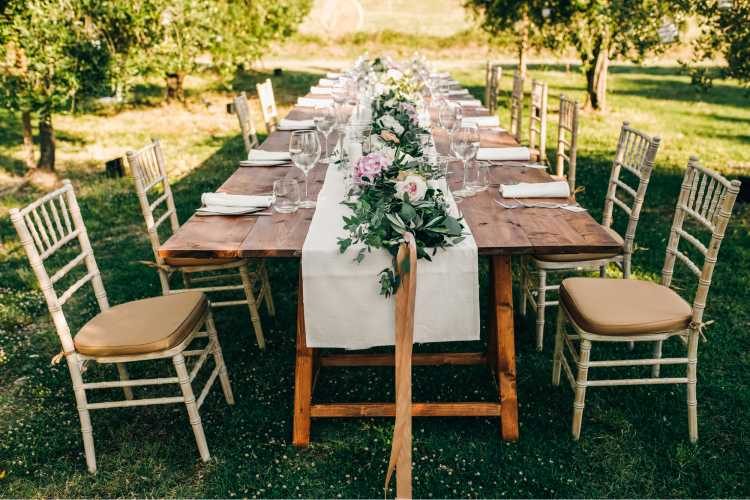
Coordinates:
[389,122]
[414,186]
[395,74]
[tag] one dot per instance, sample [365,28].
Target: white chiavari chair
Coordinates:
[516,106]
[157,204]
[601,310]
[268,105]
[538,121]
[50,229]
[567,142]
[635,156]
[245,117]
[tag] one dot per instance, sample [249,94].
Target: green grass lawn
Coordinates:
[634,440]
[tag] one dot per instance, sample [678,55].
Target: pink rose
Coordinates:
[370,166]
[413,186]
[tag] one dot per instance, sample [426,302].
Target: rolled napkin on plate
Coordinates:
[235,200]
[481,121]
[469,102]
[554,189]
[443,74]
[333,75]
[327,82]
[261,158]
[287,124]
[321,90]
[314,101]
[504,154]
[458,92]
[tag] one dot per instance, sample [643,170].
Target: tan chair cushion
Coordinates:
[191,261]
[580,257]
[624,306]
[142,326]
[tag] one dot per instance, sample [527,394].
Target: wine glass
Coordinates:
[450,116]
[325,120]
[304,149]
[465,144]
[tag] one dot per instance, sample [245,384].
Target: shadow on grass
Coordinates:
[287,86]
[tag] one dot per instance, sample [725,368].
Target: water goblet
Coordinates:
[304,149]
[465,144]
[325,121]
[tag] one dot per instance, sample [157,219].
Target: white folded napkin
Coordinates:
[222,210]
[327,82]
[235,200]
[469,102]
[553,189]
[482,121]
[504,154]
[333,75]
[443,74]
[458,92]
[321,90]
[287,124]
[261,158]
[314,101]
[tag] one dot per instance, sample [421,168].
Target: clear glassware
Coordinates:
[465,144]
[285,195]
[477,176]
[304,148]
[450,115]
[325,120]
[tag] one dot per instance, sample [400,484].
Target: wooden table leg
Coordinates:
[303,379]
[502,297]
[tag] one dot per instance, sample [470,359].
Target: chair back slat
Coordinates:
[268,104]
[567,141]
[493,73]
[42,236]
[706,198]
[245,117]
[538,119]
[516,106]
[635,153]
[150,174]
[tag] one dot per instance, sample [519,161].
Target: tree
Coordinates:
[725,31]
[37,70]
[603,29]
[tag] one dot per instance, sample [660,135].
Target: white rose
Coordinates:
[395,74]
[389,122]
[414,186]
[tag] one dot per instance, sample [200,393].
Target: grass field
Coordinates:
[634,440]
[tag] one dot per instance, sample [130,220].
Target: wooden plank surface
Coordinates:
[496,230]
[465,409]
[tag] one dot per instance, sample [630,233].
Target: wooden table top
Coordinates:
[496,230]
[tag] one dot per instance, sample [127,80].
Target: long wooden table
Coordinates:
[499,233]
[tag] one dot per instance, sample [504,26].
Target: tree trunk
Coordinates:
[523,44]
[28,139]
[46,141]
[596,77]
[175,89]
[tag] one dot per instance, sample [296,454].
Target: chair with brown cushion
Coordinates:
[538,121]
[150,175]
[245,117]
[601,310]
[268,105]
[635,155]
[167,327]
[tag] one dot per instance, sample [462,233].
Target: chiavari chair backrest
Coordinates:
[493,72]
[154,193]
[245,117]
[50,225]
[268,104]
[538,119]
[516,106]
[705,202]
[567,141]
[635,155]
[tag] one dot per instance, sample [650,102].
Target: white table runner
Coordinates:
[343,307]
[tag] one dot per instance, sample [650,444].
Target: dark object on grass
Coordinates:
[115,167]
[230,108]
[744,194]
[278,72]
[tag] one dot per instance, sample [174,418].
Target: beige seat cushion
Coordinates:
[624,306]
[142,326]
[192,261]
[581,257]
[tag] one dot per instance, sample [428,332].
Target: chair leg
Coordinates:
[226,387]
[524,284]
[626,275]
[266,288]
[87,433]
[692,376]
[192,407]
[581,379]
[541,300]
[603,271]
[253,306]
[657,355]
[557,356]
[122,371]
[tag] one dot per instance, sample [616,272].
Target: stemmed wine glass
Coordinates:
[465,144]
[304,149]
[325,120]
[450,116]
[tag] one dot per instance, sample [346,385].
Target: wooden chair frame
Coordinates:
[492,74]
[538,120]
[635,153]
[516,106]
[268,104]
[707,199]
[53,222]
[245,117]
[149,172]
[567,141]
